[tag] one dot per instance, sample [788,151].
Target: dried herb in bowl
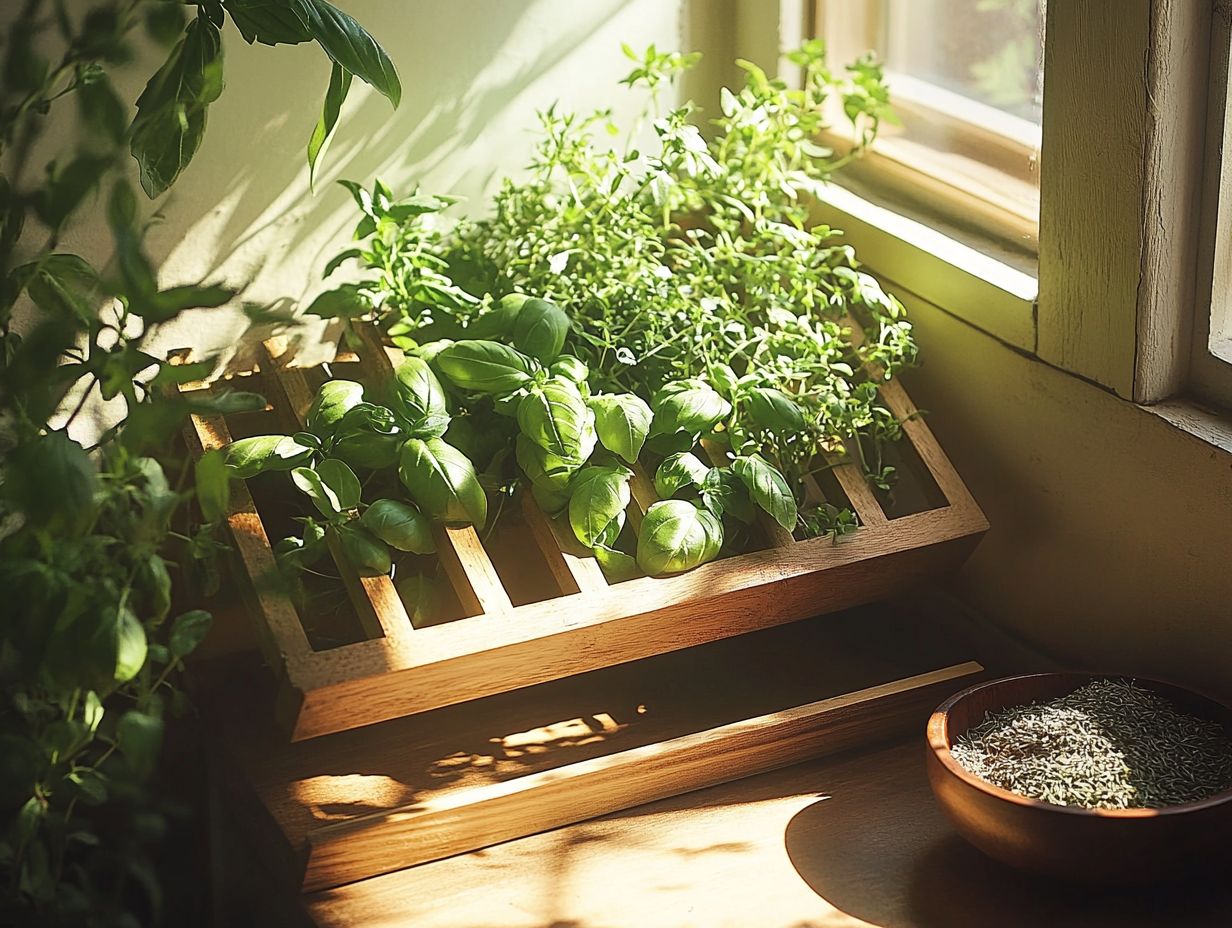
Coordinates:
[1108,745]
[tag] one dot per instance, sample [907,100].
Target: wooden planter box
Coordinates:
[534,609]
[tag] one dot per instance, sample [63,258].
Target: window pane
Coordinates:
[987,50]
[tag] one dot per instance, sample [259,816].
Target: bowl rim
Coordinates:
[938,742]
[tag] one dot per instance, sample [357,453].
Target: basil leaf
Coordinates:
[768,488]
[570,368]
[251,456]
[551,501]
[690,406]
[309,482]
[368,450]
[677,536]
[617,566]
[540,330]
[775,411]
[725,494]
[680,474]
[543,468]
[622,421]
[399,525]
[170,120]
[419,398]
[369,556]
[556,418]
[339,86]
[599,495]
[349,45]
[342,481]
[188,630]
[486,367]
[442,482]
[498,321]
[331,403]
[139,737]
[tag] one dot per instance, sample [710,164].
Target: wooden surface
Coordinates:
[412,789]
[844,842]
[392,668]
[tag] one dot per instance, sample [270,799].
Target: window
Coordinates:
[965,79]
[1211,361]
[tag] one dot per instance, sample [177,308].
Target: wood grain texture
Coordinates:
[420,833]
[436,762]
[847,841]
[1092,217]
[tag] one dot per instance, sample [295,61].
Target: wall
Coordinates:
[1111,539]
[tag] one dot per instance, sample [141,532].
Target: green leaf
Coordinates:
[725,494]
[680,474]
[556,418]
[92,711]
[617,566]
[349,45]
[775,411]
[690,406]
[598,495]
[155,581]
[88,785]
[171,111]
[486,367]
[570,368]
[50,479]
[768,488]
[248,457]
[419,398]
[367,554]
[270,22]
[188,630]
[442,482]
[348,301]
[309,482]
[213,485]
[498,321]
[342,481]
[540,329]
[677,536]
[333,401]
[339,86]
[400,526]
[548,473]
[623,422]
[140,736]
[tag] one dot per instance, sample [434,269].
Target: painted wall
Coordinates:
[1111,539]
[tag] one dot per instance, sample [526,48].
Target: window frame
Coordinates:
[979,180]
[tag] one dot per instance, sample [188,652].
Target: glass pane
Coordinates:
[987,50]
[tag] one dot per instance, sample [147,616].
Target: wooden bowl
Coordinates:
[1085,845]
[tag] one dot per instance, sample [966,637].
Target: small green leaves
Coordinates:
[442,482]
[330,404]
[599,495]
[539,330]
[251,456]
[486,367]
[399,525]
[556,418]
[677,536]
[622,421]
[767,488]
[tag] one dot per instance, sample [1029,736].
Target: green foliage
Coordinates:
[93,539]
[687,273]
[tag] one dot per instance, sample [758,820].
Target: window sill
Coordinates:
[990,293]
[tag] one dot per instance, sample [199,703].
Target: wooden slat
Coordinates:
[493,813]
[575,573]
[642,496]
[378,606]
[859,494]
[285,641]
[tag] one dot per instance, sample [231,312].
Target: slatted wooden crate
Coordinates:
[576,621]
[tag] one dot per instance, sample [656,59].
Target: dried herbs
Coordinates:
[1109,745]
